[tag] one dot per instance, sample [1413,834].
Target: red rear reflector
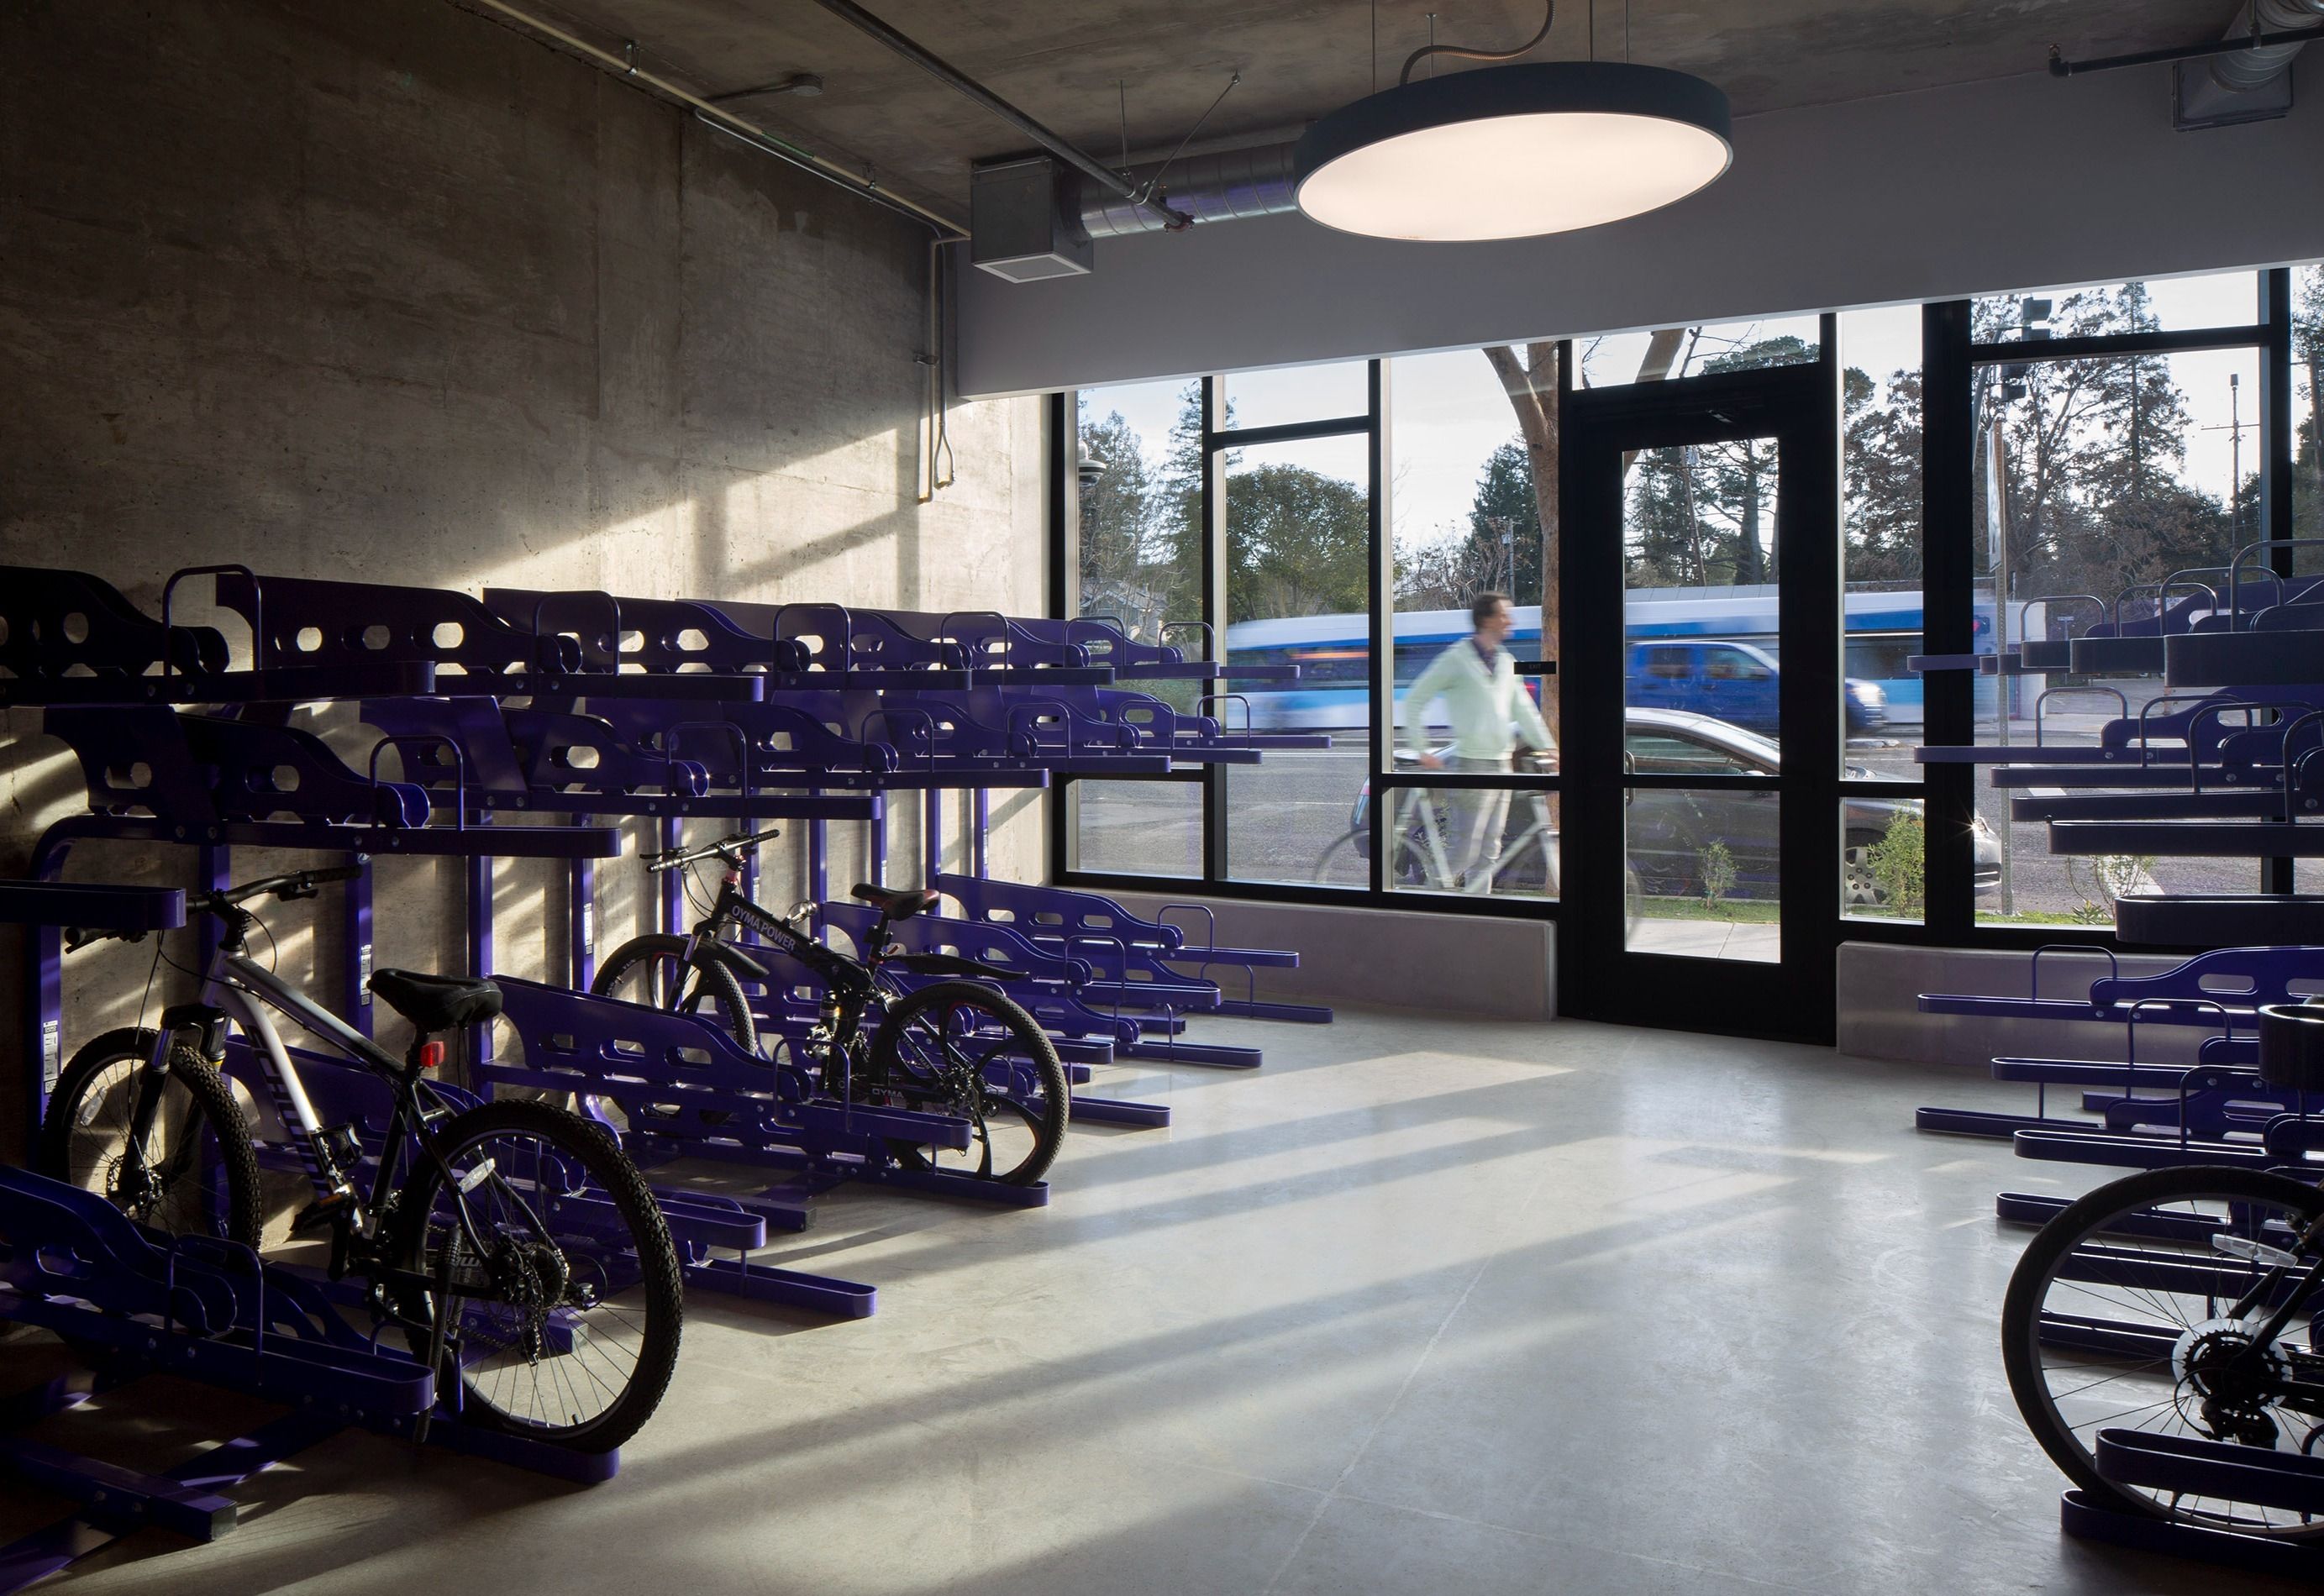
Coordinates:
[431,1054]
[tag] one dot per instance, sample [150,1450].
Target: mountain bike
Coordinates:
[949,1045]
[512,1244]
[2180,1303]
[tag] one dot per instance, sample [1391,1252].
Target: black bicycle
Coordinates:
[942,1042]
[2181,1303]
[514,1245]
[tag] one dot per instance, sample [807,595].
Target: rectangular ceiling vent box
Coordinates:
[1024,220]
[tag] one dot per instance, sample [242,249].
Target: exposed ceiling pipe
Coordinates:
[1093,170]
[719,117]
[1220,187]
[2246,69]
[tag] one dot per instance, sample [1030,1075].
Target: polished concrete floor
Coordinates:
[1424,1306]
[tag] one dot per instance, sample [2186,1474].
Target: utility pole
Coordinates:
[2235,429]
[1997,519]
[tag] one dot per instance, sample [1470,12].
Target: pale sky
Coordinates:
[1448,414]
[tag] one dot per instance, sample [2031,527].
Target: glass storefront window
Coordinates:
[1621,358]
[1139,482]
[2159,304]
[2121,483]
[1297,394]
[1300,591]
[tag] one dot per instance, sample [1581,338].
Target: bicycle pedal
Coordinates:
[323,1212]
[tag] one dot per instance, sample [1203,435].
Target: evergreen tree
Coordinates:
[1117,526]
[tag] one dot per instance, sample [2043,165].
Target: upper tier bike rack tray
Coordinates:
[2193,920]
[92,906]
[565,654]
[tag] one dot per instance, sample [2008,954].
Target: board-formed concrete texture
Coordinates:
[391,292]
[1425,1308]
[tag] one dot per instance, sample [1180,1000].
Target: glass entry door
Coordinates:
[1701,659]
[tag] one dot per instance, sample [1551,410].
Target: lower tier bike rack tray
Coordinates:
[2288,1481]
[208,1311]
[688,1090]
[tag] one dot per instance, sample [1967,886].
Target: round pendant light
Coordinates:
[1513,152]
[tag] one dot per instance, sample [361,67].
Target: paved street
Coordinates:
[1286,815]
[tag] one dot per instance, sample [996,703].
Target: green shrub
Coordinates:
[1900,863]
[1718,873]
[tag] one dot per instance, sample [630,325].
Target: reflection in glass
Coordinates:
[1139,482]
[1703,873]
[1138,827]
[1619,359]
[2125,484]
[2160,304]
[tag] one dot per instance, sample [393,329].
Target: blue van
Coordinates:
[1731,681]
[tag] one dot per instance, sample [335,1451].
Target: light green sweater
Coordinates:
[1482,705]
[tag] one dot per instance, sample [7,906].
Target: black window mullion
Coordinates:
[2116,346]
[2277,454]
[1214,612]
[1064,584]
[1948,715]
[1380,671]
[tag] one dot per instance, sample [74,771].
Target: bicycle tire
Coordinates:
[646,1277]
[2112,1233]
[73,1144]
[641,957]
[1341,847]
[891,1072]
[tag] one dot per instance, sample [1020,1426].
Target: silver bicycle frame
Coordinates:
[235,983]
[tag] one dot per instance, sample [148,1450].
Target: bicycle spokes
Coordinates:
[545,1334]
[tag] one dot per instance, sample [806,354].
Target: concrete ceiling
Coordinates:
[1060,60]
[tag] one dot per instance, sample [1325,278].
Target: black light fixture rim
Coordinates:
[1617,88]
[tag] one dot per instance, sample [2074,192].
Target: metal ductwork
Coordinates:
[2245,70]
[1221,187]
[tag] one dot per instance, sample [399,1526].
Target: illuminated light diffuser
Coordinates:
[1513,152]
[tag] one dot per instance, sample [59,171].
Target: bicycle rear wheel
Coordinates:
[956,1048]
[193,1173]
[564,1306]
[2142,1306]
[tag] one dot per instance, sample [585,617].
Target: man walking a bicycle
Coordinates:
[1489,710]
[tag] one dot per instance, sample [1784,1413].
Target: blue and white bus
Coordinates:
[1334,651]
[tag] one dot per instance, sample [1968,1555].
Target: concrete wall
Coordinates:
[1448,964]
[2020,182]
[386,291]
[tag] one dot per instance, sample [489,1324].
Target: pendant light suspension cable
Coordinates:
[1432,49]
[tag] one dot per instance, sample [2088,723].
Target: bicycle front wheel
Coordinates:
[656,971]
[956,1048]
[558,1300]
[193,1172]
[2146,1306]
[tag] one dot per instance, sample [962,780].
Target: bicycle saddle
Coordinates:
[436,1003]
[898,903]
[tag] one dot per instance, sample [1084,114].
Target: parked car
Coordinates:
[1735,682]
[1669,830]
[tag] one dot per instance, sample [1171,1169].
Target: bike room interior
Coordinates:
[1591,1244]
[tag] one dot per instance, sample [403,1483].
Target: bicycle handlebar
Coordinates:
[730,848]
[294,885]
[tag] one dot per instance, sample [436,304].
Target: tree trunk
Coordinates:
[1531,385]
